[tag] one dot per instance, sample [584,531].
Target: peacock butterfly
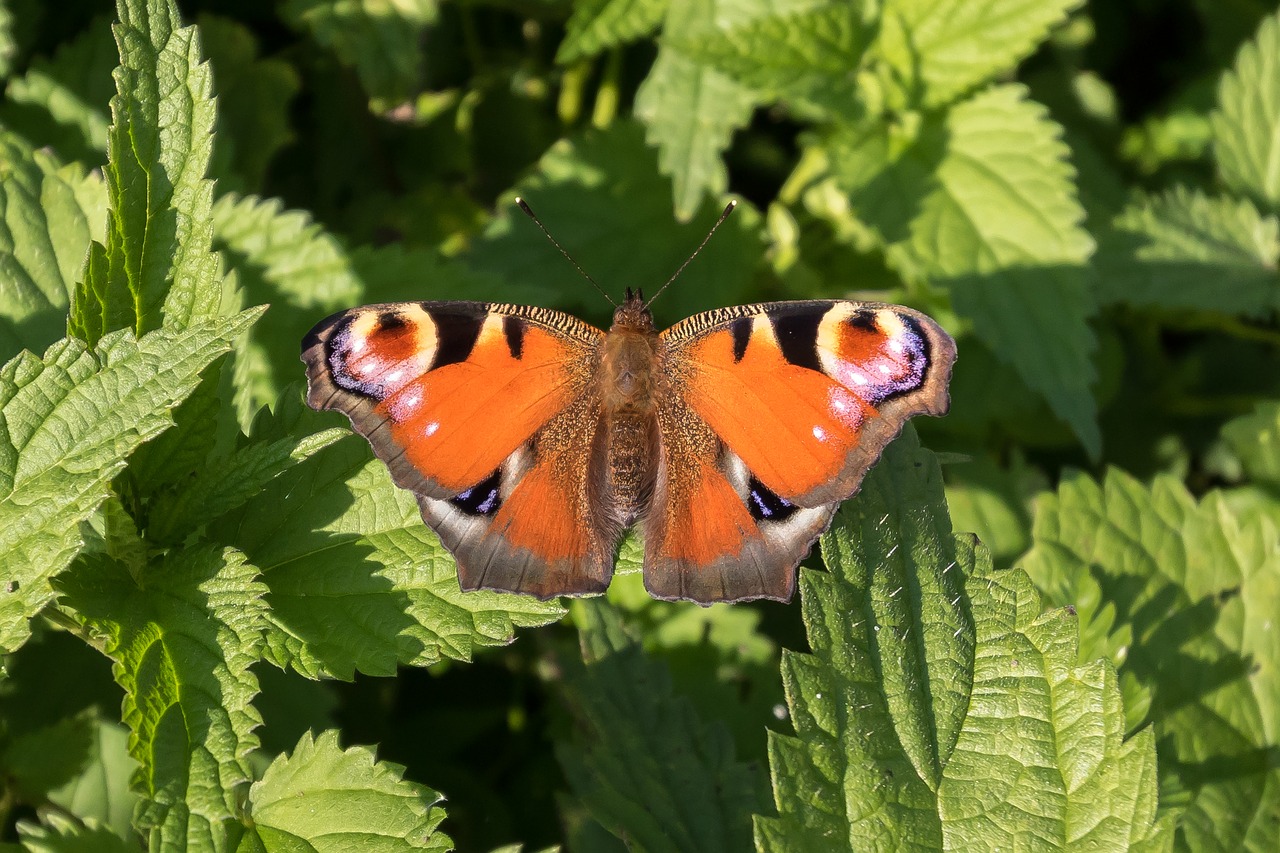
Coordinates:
[533,440]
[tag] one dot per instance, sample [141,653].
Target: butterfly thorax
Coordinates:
[627,383]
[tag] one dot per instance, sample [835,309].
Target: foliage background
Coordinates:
[1085,194]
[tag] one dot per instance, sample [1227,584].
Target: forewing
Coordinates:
[807,394]
[445,392]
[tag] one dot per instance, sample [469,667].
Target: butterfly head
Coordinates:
[633,313]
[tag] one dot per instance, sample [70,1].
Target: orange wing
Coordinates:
[447,391]
[486,413]
[789,404]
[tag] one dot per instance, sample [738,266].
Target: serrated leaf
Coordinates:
[63,834]
[228,483]
[356,581]
[68,422]
[48,215]
[182,637]
[937,50]
[379,38]
[1183,250]
[690,110]
[1246,125]
[805,55]
[64,101]
[254,94]
[645,765]
[1255,438]
[596,192]
[939,708]
[334,800]
[156,265]
[1187,597]
[598,25]
[980,199]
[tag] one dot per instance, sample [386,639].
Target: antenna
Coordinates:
[728,209]
[529,212]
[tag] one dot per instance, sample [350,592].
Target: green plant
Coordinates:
[206,586]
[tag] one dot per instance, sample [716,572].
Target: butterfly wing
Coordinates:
[777,412]
[484,412]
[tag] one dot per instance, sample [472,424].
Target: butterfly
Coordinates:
[533,440]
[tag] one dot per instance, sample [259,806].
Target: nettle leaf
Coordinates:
[328,799]
[599,194]
[1186,596]
[68,423]
[226,484]
[1184,250]
[381,39]
[981,200]
[63,101]
[156,264]
[647,768]
[805,55]
[65,834]
[1255,439]
[691,110]
[48,215]
[356,581]
[1246,125]
[937,50]
[183,635]
[940,708]
[598,25]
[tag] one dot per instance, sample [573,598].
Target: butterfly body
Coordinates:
[533,441]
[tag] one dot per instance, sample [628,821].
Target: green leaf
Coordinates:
[1255,439]
[48,215]
[598,25]
[100,793]
[63,101]
[182,636]
[993,501]
[1183,250]
[981,200]
[727,642]
[38,761]
[1246,125]
[691,110]
[356,581]
[939,703]
[596,193]
[68,422]
[645,765]
[226,484]
[324,798]
[156,265]
[63,834]
[937,50]
[1186,597]
[254,95]
[809,55]
[381,39]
